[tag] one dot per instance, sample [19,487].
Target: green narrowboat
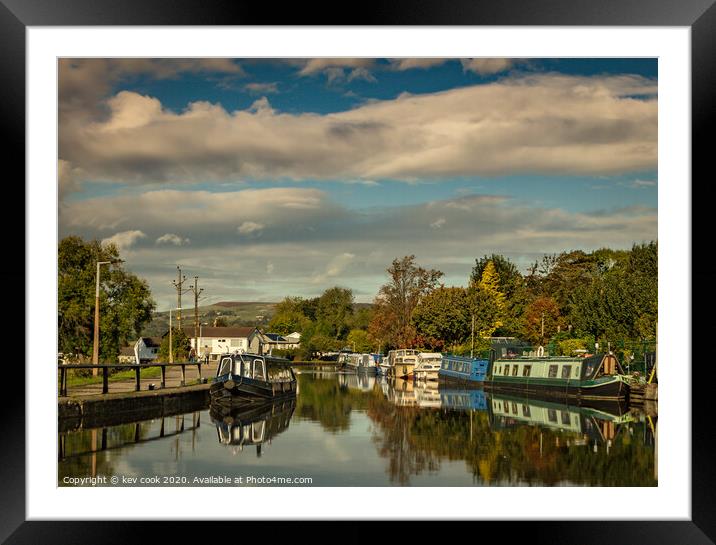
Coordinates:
[596,377]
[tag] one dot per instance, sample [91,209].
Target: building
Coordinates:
[274,341]
[146,349]
[215,341]
[293,339]
[126,355]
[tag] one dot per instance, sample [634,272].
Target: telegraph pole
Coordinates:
[196,291]
[178,283]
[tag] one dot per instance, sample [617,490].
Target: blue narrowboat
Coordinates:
[469,372]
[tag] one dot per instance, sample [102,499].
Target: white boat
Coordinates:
[402,362]
[428,366]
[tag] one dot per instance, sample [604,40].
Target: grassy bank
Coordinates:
[74,379]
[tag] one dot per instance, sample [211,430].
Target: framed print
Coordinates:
[427,265]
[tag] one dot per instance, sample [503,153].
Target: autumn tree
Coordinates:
[398,298]
[543,310]
[511,283]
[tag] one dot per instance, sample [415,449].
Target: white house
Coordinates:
[146,349]
[293,340]
[215,341]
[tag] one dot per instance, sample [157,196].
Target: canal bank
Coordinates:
[114,408]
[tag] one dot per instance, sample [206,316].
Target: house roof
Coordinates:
[152,341]
[126,351]
[221,332]
[275,336]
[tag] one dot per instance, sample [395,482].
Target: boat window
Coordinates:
[566,370]
[525,410]
[507,370]
[552,414]
[224,367]
[552,371]
[259,370]
[514,408]
[526,370]
[576,371]
[565,418]
[514,370]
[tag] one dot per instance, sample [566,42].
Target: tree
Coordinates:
[289,317]
[442,319]
[398,298]
[359,341]
[542,308]
[126,304]
[181,345]
[335,309]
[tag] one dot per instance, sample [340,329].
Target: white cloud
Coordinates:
[542,123]
[334,267]
[320,65]
[261,88]
[171,238]
[411,63]
[484,66]
[125,239]
[250,227]
[438,223]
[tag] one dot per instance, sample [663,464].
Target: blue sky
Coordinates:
[280,165]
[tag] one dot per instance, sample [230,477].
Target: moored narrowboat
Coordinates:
[463,371]
[244,377]
[594,377]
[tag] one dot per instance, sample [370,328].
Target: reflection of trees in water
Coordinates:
[417,440]
[323,400]
[77,458]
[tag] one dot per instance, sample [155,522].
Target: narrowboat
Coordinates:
[402,362]
[428,366]
[253,424]
[463,371]
[244,377]
[357,381]
[590,378]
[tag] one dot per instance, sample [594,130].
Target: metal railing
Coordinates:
[136,367]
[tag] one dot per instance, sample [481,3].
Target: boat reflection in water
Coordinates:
[427,395]
[357,381]
[251,424]
[578,423]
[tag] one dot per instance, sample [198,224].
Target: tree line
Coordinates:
[572,299]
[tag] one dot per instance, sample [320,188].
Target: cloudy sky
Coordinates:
[269,178]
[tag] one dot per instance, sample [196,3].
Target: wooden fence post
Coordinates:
[138,380]
[105,379]
[164,373]
[183,375]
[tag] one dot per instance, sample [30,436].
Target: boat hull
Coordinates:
[236,391]
[603,388]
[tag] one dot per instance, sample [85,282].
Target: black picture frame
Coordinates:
[699,15]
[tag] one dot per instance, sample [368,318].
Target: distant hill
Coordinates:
[234,313]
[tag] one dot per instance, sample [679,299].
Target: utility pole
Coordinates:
[542,327]
[196,291]
[472,335]
[178,283]
[95,344]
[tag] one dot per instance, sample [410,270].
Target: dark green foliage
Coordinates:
[126,304]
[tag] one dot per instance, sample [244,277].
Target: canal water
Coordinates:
[352,430]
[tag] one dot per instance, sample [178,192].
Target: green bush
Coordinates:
[568,346]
